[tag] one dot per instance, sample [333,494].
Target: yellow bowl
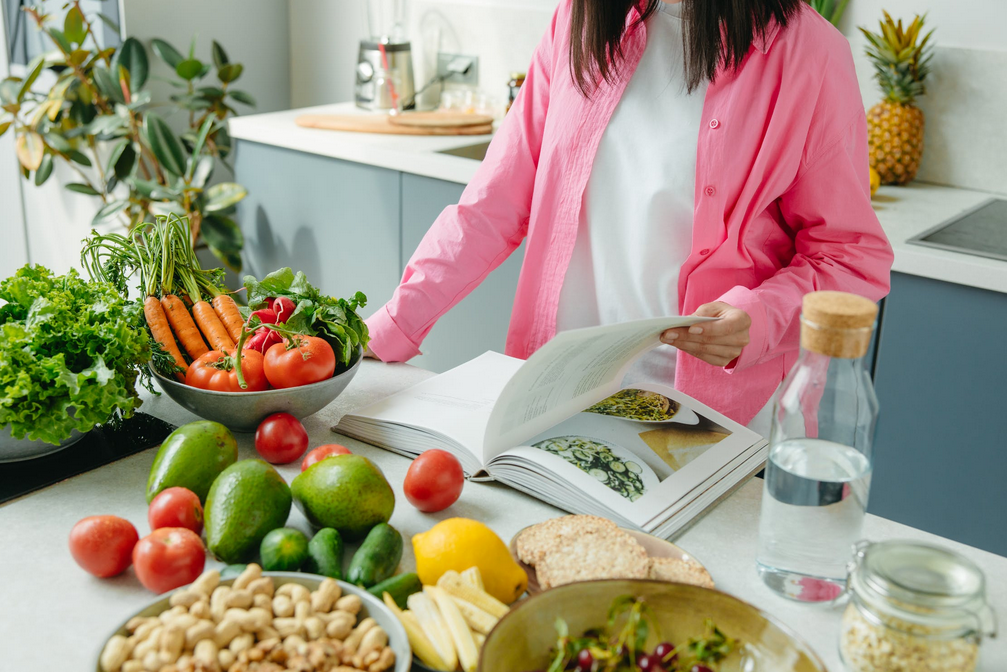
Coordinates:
[522,640]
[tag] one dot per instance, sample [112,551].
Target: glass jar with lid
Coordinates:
[913,608]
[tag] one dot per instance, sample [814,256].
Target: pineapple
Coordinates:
[895,125]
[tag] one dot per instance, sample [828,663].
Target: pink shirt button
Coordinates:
[704,252]
[710,191]
[714,123]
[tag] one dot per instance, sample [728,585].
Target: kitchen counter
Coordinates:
[904,212]
[54,615]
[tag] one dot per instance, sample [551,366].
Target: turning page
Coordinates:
[568,374]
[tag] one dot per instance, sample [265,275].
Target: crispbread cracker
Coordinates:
[538,540]
[680,571]
[603,554]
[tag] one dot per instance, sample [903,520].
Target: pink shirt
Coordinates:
[782,205]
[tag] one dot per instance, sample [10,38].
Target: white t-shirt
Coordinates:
[635,228]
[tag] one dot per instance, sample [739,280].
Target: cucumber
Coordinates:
[325,554]
[399,587]
[377,558]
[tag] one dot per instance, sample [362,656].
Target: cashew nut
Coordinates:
[115,653]
[282,605]
[207,582]
[350,604]
[341,625]
[250,573]
[326,595]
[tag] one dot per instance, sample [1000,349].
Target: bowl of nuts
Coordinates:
[260,622]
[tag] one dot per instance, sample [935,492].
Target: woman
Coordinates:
[707,158]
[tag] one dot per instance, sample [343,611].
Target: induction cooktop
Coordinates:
[982,232]
[104,444]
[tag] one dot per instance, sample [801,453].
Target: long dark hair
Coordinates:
[716,31]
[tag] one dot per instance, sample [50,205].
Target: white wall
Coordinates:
[324,35]
[969,24]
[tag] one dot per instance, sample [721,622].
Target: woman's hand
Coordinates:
[718,343]
[369,354]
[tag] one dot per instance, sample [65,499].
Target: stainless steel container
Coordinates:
[381,88]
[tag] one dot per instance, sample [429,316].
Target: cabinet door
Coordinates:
[335,220]
[940,456]
[477,324]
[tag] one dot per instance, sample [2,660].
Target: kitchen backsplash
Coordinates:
[966,107]
[502,33]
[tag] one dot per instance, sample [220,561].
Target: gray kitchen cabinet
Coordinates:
[479,322]
[941,443]
[335,220]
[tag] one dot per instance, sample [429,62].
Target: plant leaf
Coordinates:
[204,168]
[109,22]
[230,72]
[73,26]
[222,233]
[44,170]
[204,131]
[106,124]
[219,55]
[4,125]
[189,69]
[34,70]
[222,196]
[108,85]
[114,155]
[166,52]
[242,97]
[78,56]
[127,160]
[79,157]
[210,92]
[30,149]
[81,188]
[108,211]
[60,39]
[166,147]
[133,58]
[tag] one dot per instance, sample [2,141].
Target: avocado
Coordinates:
[191,457]
[325,554]
[247,501]
[345,492]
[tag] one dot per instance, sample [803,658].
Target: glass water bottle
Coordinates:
[819,470]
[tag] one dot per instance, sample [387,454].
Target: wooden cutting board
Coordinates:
[366,123]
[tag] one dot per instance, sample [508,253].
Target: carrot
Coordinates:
[212,327]
[161,330]
[227,311]
[184,327]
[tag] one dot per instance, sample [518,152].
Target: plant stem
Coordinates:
[97,163]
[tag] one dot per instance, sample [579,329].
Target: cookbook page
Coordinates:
[569,373]
[456,403]
[639,451]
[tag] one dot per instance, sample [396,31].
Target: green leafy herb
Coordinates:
[70,353]
[335,320]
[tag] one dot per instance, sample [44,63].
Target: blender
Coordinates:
[384,77]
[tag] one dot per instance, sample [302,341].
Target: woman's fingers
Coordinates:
[718,355]
[738,337]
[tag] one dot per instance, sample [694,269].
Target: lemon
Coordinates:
[460,543]
[875,181]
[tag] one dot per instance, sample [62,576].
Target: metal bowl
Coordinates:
[524,637]
[243,411]
[17,450]
[372,607]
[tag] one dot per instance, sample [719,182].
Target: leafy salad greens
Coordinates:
[70,353]
[335,320]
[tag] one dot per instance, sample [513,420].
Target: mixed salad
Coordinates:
[620,646]
[637,405]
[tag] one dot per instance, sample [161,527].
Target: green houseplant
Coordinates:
[830,9]
[100,120]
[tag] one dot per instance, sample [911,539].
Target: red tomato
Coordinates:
[281,438]
[176,507]
[434,481]
[301,360]
[216,371]
[103,545]
[168,558]
[321,452]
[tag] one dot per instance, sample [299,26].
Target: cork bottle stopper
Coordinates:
[837,324]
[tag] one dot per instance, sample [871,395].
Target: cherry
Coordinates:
[665,649]
[584,659]
[652,663]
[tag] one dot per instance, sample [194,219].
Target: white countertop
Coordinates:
[55,616]
[904,212]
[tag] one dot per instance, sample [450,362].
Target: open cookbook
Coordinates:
[561,428]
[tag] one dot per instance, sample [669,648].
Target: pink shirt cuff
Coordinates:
[389,342]
[747,300]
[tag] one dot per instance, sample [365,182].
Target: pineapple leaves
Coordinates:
[901,60]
